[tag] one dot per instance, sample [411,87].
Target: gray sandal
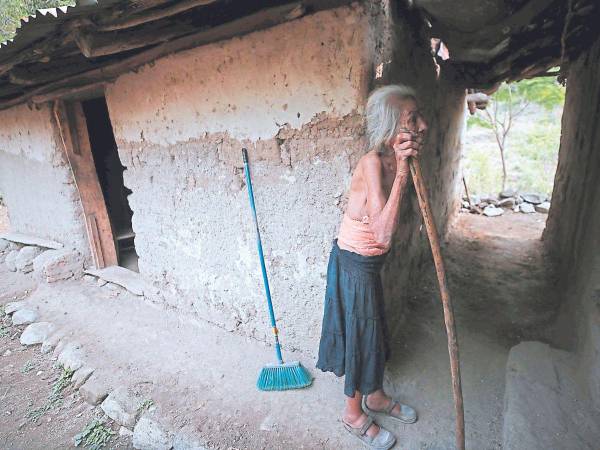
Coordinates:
[384,440]
[407,413]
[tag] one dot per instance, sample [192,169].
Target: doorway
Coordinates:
[110,176]
[89,144]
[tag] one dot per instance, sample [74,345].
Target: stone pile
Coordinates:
[493,206]
[48,264]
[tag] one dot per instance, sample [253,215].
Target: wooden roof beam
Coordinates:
[151,15]
[265,18]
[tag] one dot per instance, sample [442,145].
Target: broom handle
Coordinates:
[415,170]
[261,255]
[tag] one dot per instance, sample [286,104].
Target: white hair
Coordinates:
[382,114]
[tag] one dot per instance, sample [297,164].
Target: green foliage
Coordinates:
[95,435]
[55,397]
[544,91]
[11,12]
[3,331]
[145,405]
[531,159]
[27,367]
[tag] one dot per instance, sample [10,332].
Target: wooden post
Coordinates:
[415,170]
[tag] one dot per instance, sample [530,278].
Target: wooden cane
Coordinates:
[415,170]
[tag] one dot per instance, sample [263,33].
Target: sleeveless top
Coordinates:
[356,236]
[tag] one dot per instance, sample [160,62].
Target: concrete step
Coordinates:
[544,408]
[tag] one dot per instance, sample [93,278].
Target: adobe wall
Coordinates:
[294,96]
[573,228]
[35,179]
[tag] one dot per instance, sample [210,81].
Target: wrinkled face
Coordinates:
[410,120]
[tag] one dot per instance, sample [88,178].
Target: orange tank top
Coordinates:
[356,236]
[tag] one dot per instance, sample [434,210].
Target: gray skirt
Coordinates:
[354,335]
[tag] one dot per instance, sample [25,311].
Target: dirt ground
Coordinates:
[499,283]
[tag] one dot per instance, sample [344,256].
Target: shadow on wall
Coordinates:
[442,103]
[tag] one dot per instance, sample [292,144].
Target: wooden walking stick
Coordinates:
[415,170]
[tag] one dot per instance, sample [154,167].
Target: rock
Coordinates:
[483,204]
[526,208]
[81,376]
[71,356]
[508,193]
[516,208]
[10,260]
[4,245]
[506,202]
[24,260]
[489,200]
[185,439]
[8,352]
[51,342]
[101,282]
[89,278]
[465,204]
[493,211]
[11,307]
[125,432]
[23,316]
[35,333]
[54,265]
[543,207]
[94,391]
[534,199]
[121,406]
[148,435]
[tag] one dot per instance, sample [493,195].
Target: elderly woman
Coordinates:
[354,336]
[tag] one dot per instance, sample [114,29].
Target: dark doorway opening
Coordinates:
[110,175]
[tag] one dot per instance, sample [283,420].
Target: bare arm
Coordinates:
[384,214]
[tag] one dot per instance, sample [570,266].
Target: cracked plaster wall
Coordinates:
[293,95]
[572,233]
[35,179]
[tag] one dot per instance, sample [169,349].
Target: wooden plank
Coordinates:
[73,131]
[262,19]
[130,280]
[153,14]
[31,240]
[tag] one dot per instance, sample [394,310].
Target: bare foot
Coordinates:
[358,421]
[379,401]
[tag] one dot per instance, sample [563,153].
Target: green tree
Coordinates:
[11,12]
[509,101]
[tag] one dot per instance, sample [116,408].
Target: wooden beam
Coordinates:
[262,19]
[71,92]
[43,73]
[152,15]
[94,44]
[72,127]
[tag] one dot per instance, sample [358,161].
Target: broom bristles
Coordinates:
[281,377]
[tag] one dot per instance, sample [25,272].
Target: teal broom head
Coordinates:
[281,377]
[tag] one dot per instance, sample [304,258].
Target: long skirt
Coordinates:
[354,335]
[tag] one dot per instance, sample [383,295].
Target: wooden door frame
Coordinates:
[72,126]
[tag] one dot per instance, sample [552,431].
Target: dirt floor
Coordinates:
[499,284]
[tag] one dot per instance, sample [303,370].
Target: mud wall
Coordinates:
[35,179]
[294,96]
[572,234]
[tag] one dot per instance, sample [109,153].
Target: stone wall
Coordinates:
[294,96]
[35,179]
[572,234]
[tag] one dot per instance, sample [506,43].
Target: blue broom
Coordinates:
[279,376]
